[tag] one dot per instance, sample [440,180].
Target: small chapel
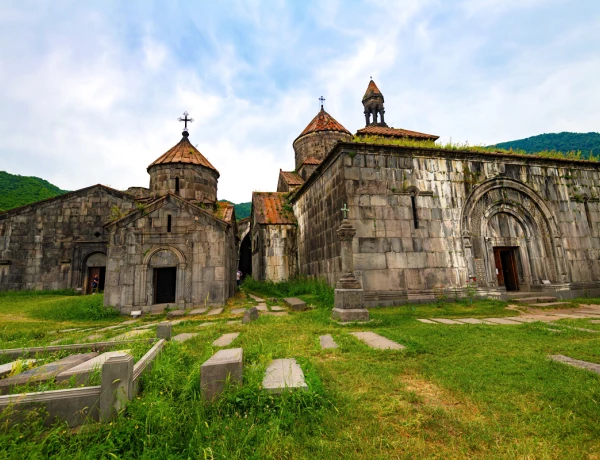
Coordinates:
[171,244]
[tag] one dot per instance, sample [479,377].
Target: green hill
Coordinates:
[18,190]
[242,210]
[587,143]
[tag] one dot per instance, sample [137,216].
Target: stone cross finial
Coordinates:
[345,210]
[185,119]
[322,99]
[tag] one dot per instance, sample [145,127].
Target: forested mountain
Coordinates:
[587,143]
[242,210]
[18,190]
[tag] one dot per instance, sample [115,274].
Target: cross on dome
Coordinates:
[186,120]
[322,99]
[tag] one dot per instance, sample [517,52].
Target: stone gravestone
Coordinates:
[222,367]
[164,330]
[349,296]
[250,315]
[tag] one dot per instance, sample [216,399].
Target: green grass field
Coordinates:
[472,391]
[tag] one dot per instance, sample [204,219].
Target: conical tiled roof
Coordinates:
[323,122]
[372,90]
[184,152]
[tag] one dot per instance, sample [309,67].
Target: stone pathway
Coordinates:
[377,341]
[198,311]
[258,299]
[215,311]
[225,339]
[283,374]
[276,308]
[327,341]
[576,363]
[262,308]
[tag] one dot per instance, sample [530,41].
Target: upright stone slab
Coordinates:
[83,371]
[44,373]
[117,385]
[283,374]
[222,367]
[164,330]
[250,315]
[349,297]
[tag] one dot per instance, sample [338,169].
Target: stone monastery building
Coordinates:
[429,221]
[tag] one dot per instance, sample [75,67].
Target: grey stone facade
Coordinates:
[52,243]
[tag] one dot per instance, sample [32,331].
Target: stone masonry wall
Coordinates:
[466,204]
[196,183]
[45,245]
[317,145]
[202,248]
[277,258]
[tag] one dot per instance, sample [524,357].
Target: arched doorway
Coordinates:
[94,266]
[163,275]
[245,259]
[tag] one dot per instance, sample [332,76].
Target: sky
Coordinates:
[90,92]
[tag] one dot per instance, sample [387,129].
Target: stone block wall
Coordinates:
[275,257]
[202,248]
[196,183]
[317,145]
[45,245]
[465,205]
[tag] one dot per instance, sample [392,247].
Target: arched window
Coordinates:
[177,185]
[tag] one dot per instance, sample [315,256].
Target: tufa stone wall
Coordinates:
[196,183]
[429,220]
[317,145]
[201,248]
[274,252]
[50,244]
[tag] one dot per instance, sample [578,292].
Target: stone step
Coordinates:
[327,341]
[44,373]
[377,341]
[295,303]
[225,339]
[538,299]
[83,371]
[549,304]
[283,374]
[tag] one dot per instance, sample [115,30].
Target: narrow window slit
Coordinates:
[177,185]
[169,223]
[413,201]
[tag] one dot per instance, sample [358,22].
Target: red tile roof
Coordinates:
[373,130]
[311,161]
[184,152]
[272,208]
[323,122]
[291,178]
[372,90]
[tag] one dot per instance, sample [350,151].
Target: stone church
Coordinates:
[430,222]
[170,244]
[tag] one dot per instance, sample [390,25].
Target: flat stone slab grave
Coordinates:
[223,366]
[283,374]
[426,321]
[225,339]
[327,341]
[444,321]
[504,321]
[232,323]
[576,363]
[185,336]
[7,368]
[175,314]
[469,320]
[276,308]
[258,299]
[198,311]
[129,335]
[377,341]
[83,371]
[237,311]
[46,372]
[261,308]
[295,303]
[215,311]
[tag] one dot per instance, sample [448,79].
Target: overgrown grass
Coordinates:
[457,146]
[317,288]
[471,391]
[82,308]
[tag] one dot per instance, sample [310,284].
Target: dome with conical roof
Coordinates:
[372,91]
[184,171]
[319,137]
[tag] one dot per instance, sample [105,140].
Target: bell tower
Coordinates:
[373,104]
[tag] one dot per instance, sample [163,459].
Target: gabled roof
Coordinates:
[374,130]
[311,161]
[323,122]
[178,201]
[184,152]
[66,196]
[272,208]
[371,91]
[291,178]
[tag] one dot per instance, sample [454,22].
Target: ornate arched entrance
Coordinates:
[510,237]
[163,276]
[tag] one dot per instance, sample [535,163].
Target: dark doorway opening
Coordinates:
[506,267]
[95,271]
[245,265]
[165,282]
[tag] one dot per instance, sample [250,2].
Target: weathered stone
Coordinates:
[349,298]
[593,367]
[295,303]
[44,373]
[346,315]
[136,313]
[225,366]
[276,308]
[274,313]
[444,321]
[283,374]
[7,368]
[175,314]
[164,330]
[549,305]
[500,321]
[225,339]
[426,321]
[215,311]
[469,320]
[83,371]
[250,315]
[129,335]
[327,341]
[117,385]
[184,336]
[261,308]
[377,341]
[233,323]
[237,311]
[198,311]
